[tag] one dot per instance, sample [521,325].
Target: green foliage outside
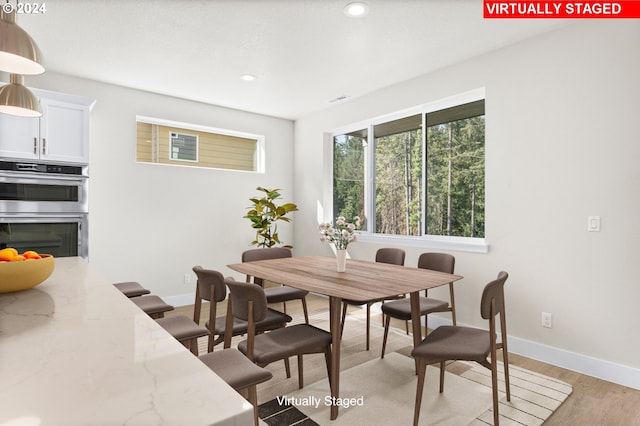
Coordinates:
[455,180]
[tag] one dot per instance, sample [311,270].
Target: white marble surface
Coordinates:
[75,351]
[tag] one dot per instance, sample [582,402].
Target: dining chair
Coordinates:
[281,293]
[152,305]
[394,256]
[248,302]
[210,287]
[456,343]
[238,372]
[131,288]
[401,308]
[184,330]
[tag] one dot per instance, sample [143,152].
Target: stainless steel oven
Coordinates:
[46,188]
[44,207]
[61,235]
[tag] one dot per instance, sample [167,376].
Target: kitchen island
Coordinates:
[75,351]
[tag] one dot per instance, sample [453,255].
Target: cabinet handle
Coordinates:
[44,146]
[35,146]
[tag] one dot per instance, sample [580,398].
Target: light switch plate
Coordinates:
[593,224]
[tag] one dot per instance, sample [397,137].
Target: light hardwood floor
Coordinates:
[593,401]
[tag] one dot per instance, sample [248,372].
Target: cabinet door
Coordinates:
[19,137]
[64,131]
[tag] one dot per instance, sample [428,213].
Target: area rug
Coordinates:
[382,392]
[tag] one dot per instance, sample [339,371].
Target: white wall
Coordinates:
[561,144]
[153,223]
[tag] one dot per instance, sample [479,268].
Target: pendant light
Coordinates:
[19,55]
[16,99]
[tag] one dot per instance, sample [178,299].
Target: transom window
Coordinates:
[407,182]
[167,142]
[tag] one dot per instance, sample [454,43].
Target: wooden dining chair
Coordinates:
[248,302]
[238,372]
[281,293]
[393,256]
[131,288]
[210,287]
[449,343]
[401,308]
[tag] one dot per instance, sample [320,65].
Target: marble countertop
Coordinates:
[75,351]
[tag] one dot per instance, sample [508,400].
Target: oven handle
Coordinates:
[41,179]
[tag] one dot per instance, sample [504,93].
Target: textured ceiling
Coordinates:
[304,53]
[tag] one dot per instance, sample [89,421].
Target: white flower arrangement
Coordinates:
[341,234]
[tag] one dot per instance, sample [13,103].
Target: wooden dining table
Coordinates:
[362,281]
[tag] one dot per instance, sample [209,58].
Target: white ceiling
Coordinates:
[304,53]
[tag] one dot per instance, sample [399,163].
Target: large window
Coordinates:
[164,142]
[405,181]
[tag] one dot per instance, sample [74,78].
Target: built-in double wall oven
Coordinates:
[44,207]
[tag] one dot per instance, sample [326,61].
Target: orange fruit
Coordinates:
[18,258]
[7,254]
[30,254]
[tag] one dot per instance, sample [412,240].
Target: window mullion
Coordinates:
[370,176]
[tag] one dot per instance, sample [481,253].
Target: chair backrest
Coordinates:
[241,295]
[209,281]
[264,254]
[394,256]
[441,262]
[493,291]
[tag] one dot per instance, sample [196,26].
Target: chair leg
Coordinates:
[284,307]
[406,326]
[387,322]
[193,346]
[304,309]
[442,370]
[327,360]
[287,367]
[505,361]
[300,373]
[494,386]
[253,399]
[422,367]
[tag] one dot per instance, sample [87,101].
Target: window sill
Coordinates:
[472,245]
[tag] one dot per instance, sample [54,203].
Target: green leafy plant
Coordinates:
[264,215]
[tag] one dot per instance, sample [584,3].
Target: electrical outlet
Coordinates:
[187,279]
[546,320]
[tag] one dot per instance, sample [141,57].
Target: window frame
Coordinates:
[442,242]
[260,142]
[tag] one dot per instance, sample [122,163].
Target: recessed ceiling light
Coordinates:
[248,77]
[338,99]
[355,10]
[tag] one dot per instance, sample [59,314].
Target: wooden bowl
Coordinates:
[25,274]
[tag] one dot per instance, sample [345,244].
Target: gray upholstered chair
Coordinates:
[448,343]
[401,308]
[210,287]
[184,330]
[249,303]
[131,288]
[394,256]
[152,305]
[282,293]
[239,372]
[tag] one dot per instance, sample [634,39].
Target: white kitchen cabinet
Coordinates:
[61,135]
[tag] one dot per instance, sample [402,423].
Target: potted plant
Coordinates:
[264,215]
